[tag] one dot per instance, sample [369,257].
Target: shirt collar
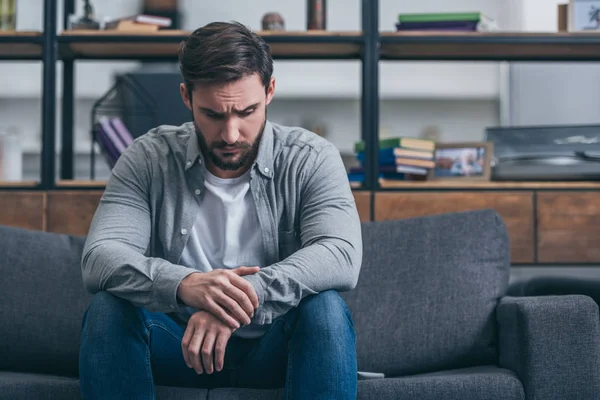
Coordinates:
[193,153]
[264,158]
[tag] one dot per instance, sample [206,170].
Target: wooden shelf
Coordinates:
[496,46]
[20,45]
[18,184]
[84,44]
[81,184]
[470,185]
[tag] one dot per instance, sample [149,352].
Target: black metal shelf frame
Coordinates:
[368,54]
[372,49]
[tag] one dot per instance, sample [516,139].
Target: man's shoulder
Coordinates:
[163,140]
[176,134]
[293,139]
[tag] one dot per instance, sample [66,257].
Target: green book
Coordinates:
[440,17]
[405,142]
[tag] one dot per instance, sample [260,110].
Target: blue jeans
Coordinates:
[310,351]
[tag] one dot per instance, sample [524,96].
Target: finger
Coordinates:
[194,349]
[219,312]
[241,271]
[185,343]
[207,351]
[220,346]
[246,287]
[241,298]
[233,307]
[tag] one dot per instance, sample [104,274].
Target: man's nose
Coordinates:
[230,133]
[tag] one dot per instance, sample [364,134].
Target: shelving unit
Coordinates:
[539,215]
[163,46]
[37,46]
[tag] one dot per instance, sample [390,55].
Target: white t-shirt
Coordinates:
[226,233]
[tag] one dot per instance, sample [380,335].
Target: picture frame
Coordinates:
[584,15]
[470,161]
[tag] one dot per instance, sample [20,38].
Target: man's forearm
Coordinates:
[146,282]
[324,265]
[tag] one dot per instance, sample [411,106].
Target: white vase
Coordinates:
[11,155]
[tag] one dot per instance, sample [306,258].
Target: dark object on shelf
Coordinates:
[87,21]
[161,87]
[109,114]
[546,153]
[273,21]
[316,14]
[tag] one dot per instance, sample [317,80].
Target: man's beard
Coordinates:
[247,153]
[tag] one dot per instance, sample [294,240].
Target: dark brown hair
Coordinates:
[222,52]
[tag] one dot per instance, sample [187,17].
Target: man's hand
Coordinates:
[205,337]
[223,293]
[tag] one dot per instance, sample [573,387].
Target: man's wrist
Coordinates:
[257,284]
[181,288]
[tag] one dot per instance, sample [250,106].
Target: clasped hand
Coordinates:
[204,342]
[225,302]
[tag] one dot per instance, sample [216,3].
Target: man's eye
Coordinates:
[246,113]
[214,116]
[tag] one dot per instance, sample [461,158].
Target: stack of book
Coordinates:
[400,158]
[465,22]
[113,137]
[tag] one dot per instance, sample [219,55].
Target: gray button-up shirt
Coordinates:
[308,218]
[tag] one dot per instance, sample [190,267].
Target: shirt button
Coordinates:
[199,161]
[188,163]
[197,191]
[266,169]
[184,231]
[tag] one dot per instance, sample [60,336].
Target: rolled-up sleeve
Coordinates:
[330,233]
[114,256]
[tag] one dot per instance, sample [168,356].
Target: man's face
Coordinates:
[229,120]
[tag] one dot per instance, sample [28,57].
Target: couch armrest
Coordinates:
[552,343]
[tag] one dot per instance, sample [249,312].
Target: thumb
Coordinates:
[241,271]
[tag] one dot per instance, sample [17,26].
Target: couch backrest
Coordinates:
[425,298]
[43,301]
[427,292]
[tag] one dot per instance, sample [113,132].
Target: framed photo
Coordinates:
[584,15]
[462,161]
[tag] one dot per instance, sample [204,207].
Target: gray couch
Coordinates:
[430,313]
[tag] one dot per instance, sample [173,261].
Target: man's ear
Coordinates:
[186,96]
[270,90]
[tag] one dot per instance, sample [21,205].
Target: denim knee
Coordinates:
[326,311]
[107,312]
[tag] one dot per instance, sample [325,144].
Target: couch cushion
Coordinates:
[245,394]
[24,386]
[489,383]
[427,292]
[478,383]
[43,301]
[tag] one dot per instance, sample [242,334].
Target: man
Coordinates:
[218,248]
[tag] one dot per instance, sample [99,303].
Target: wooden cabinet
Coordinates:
[71,212]
[546,225]
[363,205]
[568,227]
[515,208]
[23,209]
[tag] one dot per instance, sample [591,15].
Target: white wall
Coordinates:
[552,93]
